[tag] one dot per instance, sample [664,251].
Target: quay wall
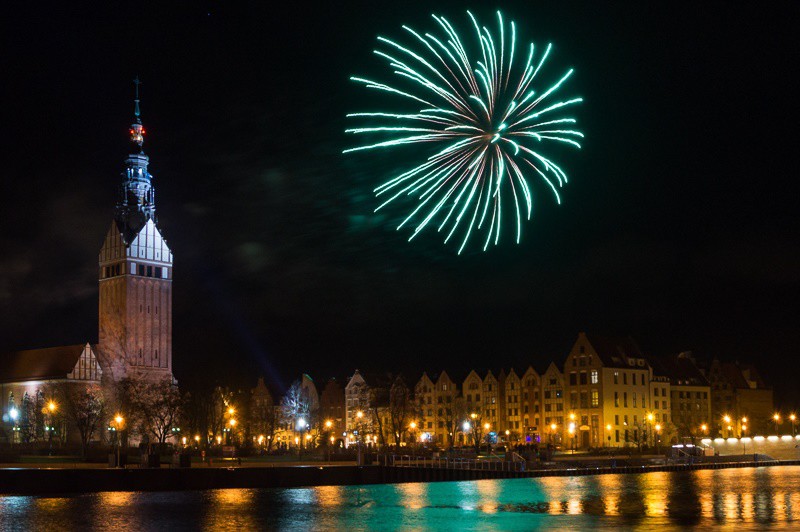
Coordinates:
[59,481]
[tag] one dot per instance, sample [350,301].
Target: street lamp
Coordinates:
[792,418]
[51,409]
[658,438]
[777,418]
[359,457]
[727,419]
[119,420]
[571,430]
[608,429]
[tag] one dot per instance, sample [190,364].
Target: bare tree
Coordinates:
[84,408]
[474,411]
[31,417]
[295,409]
[453,415]
[402,408]
[161,403]
[217,410]
[264,420]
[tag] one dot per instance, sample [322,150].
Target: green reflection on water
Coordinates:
[741,498]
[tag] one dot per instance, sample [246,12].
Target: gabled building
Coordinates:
[136,271]
[553,404]
[332,409]
[738,392]
[690,397]
[356,394]
[423,394]
[611,386]
[512,426]
[448,416]
[41,375]
[531,405]
[492,413]
[135,298]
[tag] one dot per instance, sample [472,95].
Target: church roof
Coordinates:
[40,364]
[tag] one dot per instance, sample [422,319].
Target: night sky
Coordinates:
[679,226]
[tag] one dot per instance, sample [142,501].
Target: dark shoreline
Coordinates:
[62,481]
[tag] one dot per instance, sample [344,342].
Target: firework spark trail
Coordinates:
[485,119]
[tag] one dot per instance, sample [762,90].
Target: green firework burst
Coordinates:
[486,125]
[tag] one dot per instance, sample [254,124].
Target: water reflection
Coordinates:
[742,498]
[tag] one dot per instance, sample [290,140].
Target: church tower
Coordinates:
[135,322]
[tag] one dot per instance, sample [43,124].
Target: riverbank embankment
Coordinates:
[55,480]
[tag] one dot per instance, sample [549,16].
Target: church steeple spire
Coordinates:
[137,129]
[136,203]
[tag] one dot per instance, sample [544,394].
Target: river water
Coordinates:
[755,499]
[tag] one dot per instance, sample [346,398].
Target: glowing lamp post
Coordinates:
[608,430]
[777,418]
[571,431]
[359,457]
[119,420]
[658,438]
[51,410]
[792,418]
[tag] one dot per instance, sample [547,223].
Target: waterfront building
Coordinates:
[449,415]
[423,394]
[332,409]
[32,380]
[609,382]
[511,425]
[262,415]
[738,392]
[357,404]
[531,406]
[553,404]
[135,302]
[136,272]
[690,394]
[492,410]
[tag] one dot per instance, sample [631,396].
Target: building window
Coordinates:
[573,378]
[625,378]
[616,399]
[595,399]
[625,399]
[595,377]
[616,377]
[583,377]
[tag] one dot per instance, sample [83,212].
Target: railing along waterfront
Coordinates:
[517,463]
